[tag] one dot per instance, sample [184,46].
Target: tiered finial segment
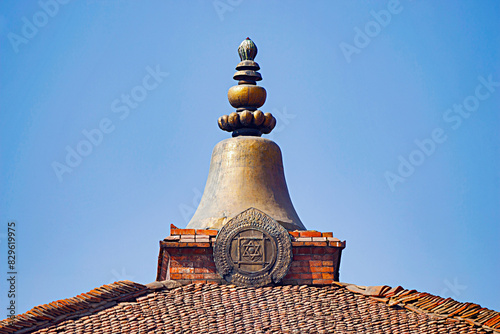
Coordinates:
[247,97]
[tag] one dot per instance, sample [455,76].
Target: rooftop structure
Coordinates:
[246,170]
[168,307]
[246,262]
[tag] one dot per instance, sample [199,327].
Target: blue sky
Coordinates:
[388,119]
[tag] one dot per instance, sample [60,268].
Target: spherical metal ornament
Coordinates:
[252,249]
[246,117]
[234,119]
[247,96]
[258,117]
[223,123]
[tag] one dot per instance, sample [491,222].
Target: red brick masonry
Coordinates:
[187,256]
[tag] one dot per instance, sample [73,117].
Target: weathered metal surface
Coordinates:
[245,172]
[246,97]
[247,50]
[252,250]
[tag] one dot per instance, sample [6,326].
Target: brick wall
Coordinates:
[187,256]
[314,265]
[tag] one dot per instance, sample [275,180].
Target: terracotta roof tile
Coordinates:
[166,307]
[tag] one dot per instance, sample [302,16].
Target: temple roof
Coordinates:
[167,307]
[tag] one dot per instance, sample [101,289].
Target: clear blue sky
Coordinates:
[389,129]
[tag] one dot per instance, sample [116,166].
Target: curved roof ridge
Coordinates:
[423,302]
[110,295]
[56,311]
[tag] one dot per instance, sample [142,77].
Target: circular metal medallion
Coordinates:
[252,249]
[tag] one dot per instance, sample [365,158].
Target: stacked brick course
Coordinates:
[187,257]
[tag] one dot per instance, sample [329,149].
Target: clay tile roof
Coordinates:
[167,307]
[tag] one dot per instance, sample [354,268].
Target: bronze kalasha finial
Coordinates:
[246,171]
[247,97]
